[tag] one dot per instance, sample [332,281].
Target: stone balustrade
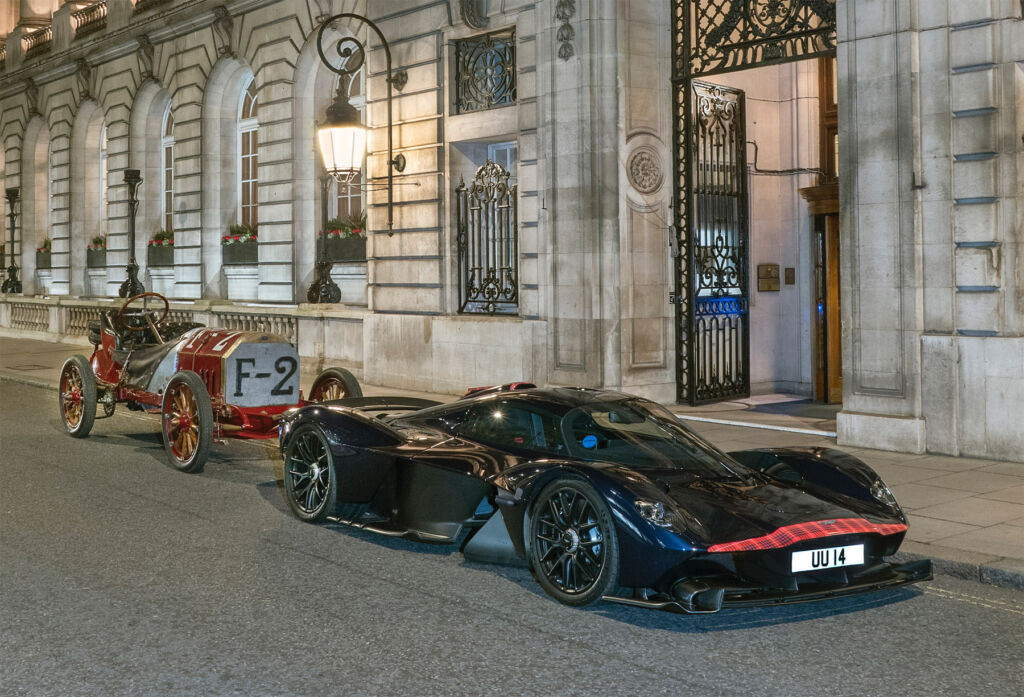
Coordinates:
[321,334]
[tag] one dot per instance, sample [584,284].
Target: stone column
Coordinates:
[880,175]
[578,95]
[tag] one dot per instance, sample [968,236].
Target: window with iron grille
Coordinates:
[488,243]
[485,71]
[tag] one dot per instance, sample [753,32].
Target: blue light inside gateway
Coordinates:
[590,442]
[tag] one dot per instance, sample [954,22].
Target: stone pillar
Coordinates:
[37,12]
[578,95]
[880,194]
[930,141]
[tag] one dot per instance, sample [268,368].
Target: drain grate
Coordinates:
[29,366]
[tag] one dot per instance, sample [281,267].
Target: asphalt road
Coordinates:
[122,576]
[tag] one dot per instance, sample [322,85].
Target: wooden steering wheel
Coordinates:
[147,314]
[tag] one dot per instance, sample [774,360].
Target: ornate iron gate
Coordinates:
[488,242]
[712,37]
[719,327]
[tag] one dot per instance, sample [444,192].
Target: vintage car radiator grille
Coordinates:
[209,378]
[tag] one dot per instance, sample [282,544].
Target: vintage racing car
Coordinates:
[206,383]
[601,494]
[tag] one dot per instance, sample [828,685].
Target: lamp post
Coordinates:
[131,286]
[11,283]
[342,139]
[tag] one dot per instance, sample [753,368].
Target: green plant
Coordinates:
[240,234]
[162,238]
[45,246]
[346,226]
[98,242]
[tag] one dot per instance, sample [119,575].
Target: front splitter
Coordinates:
[734,597]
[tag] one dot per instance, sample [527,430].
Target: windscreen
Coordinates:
[638,433]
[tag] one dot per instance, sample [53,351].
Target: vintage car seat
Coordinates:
[125,339]
[138,351]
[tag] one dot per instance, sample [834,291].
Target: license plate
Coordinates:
[818,559]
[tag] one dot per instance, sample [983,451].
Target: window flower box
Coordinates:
[43,260]
[242,253]
[346,239]
[160,255]
[346,248]
[240,246]
[96,258]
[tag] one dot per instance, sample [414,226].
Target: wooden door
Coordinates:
[833,314]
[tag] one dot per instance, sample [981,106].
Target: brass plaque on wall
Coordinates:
[767,277]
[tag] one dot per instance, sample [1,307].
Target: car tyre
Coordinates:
[187,421]
[334,383]
[574,550]
[77,396]
[310,478]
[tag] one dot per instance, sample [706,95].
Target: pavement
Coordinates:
[966,514]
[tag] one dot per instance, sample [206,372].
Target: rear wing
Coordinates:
[509,387]
[389,403]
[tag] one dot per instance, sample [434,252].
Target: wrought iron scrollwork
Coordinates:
[732,34]
[709,157]
[488,243]
[485,71]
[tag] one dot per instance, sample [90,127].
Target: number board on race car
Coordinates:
[261,374]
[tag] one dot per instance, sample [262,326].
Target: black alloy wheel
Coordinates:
[574,551]
[310,482]
[77,396]
[334,383]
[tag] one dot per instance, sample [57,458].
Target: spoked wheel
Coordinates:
[334,383]
[574,551]
[77,400]
[187,421]
[310,482]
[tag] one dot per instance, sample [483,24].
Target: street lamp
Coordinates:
[11,283]
[131,286]
[342,138]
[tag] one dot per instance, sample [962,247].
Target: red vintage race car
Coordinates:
[205,383]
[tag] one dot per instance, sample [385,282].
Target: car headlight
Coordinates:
[652,511]
[883,494]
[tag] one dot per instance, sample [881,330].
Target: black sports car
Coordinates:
[602,494]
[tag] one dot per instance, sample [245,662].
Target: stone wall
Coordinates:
[930,104]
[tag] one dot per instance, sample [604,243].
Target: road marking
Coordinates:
[766,427]
[974,600]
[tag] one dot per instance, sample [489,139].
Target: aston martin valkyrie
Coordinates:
[603,495]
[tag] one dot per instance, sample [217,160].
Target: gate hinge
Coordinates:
[674,299]
[673,241]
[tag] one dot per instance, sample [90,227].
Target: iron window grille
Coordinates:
[485,71]
[488,243]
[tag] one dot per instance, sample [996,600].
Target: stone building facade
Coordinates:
[931,112]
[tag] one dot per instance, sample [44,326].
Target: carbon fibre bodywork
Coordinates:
[413,468]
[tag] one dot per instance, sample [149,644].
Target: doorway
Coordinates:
[714,37]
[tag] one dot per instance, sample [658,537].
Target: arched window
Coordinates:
[102,199]
[167,171]
[248,182]
[348,199]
